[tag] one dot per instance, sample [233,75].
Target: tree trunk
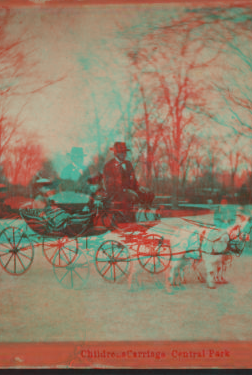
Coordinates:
[175,183]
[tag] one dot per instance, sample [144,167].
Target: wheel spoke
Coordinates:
[119,253]
[147,261]
[15,263]
[64,276]
[25,248]
[117,265]
[13,235]
[111,270]
[6,252]
[4,245]
[83,265]
[114,272]
[158,260]
[24,255]
[104,267]
[55,251]
[154,260]
[71,278]
[72,251]
[68,260]
[104,252]
[107,269]
[74,270]
[8,240]
[161,261]
[6,264]
[20,240]
[20,261]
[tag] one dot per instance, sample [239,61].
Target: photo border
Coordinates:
[118,354]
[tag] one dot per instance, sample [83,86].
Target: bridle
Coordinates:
[237,239]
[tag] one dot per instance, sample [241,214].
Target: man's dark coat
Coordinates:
[118,178]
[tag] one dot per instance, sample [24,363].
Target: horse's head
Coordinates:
[239,234]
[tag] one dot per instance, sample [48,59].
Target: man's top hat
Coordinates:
[119,147]
[76,151]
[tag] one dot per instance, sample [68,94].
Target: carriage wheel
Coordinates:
[60,252]
[16,251]
[75,275]
[154,255]
[112,260]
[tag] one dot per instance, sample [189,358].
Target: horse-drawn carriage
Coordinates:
[61,233]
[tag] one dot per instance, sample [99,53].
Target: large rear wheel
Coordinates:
[16,251]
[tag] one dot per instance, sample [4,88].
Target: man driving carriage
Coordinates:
[122,187]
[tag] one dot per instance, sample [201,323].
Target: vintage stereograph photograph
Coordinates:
[125,184]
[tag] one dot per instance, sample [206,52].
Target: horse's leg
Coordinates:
[172,272]
[211,269]
[175,276]
[167,273]
[130,275]
[222,268]
[199,275]
[139,273]
[210,280]
[182,275]
[181,270]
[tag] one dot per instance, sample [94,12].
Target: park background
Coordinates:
[173,82]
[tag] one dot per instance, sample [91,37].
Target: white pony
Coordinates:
[211,246]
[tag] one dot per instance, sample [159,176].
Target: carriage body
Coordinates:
[58,231]
[134,242]
[70,226]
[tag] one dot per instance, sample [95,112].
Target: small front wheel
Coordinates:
[154,254]
[60,252]
[75,275]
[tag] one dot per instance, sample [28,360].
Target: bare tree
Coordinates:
[23,162]
[228,29]
[165,63]
[18,78]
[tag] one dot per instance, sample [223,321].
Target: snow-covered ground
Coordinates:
[37,307]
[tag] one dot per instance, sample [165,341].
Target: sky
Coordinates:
[81,46]
[85,48]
